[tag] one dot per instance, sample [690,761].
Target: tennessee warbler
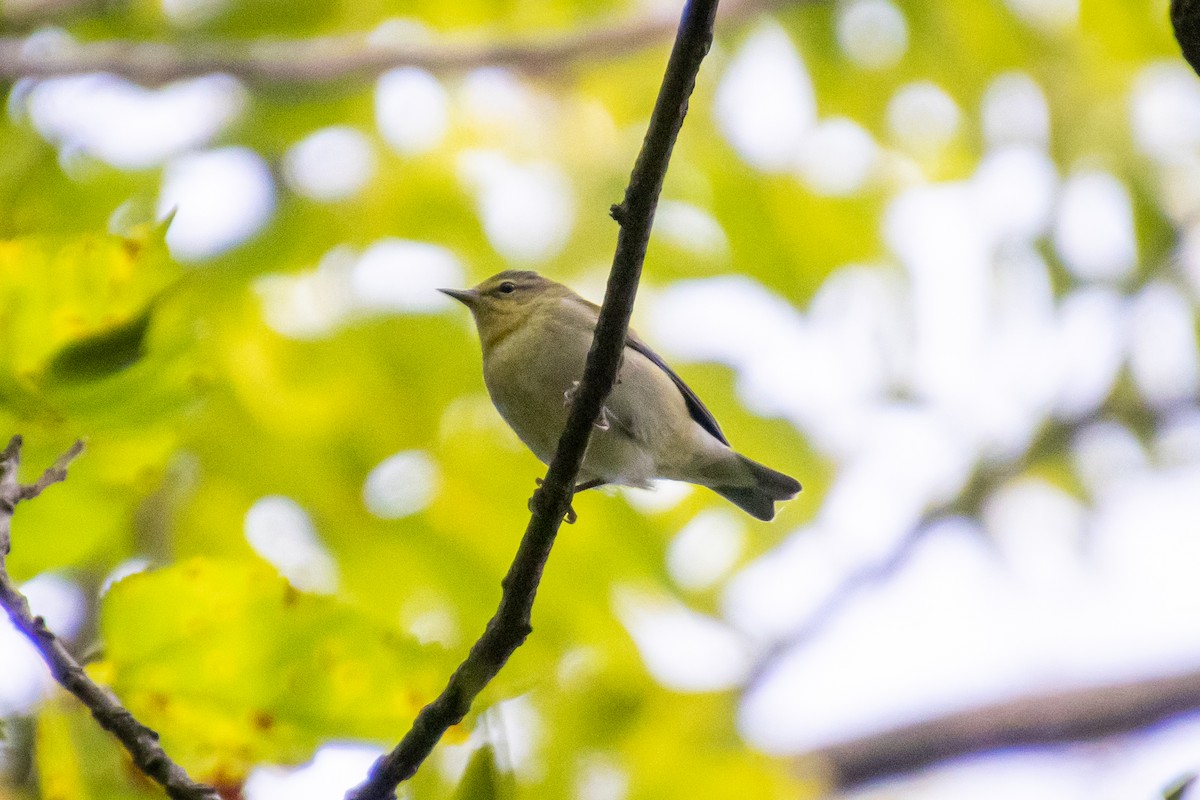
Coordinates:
[536,334]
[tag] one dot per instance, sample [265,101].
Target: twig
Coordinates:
[141,742]
[1185,19]
[1072,716]
[510,625]
[354,57]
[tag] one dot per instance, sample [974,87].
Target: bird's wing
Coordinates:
[696,408]
[588,312]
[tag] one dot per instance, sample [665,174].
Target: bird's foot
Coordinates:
[570,516]
[592,484]
[601,423]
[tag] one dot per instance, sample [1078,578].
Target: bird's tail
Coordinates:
[759,499]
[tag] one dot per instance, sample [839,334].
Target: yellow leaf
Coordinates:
[60,774]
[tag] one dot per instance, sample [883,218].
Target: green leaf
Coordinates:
[235,667]
[1179,788]
[77,759]
[101,354]
[60,766]
[92,319]
[483,779]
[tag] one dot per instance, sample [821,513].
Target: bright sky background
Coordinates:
[905,375]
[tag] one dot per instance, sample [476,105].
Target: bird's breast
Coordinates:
[646,430]
[528,376]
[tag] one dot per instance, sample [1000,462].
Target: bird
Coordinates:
[535,335]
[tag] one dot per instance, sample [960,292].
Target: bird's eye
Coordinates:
[507,287]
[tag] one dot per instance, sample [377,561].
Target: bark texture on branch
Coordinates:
[141,742]
[511,624]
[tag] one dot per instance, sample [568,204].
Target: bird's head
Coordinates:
[502,302]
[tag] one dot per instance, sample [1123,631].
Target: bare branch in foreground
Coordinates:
[354,57]
[510,625]
[141,742]
[1071,716]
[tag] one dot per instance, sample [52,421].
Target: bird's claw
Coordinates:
[601,423]
[570,516]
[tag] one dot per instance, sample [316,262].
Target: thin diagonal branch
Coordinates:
[354,57]
[1071,716]
[141,742]
[510,626]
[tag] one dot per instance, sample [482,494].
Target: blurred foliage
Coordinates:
[482,779]
[236,667]
[1178,790]
[194,408]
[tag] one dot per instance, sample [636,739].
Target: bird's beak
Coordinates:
[468,297]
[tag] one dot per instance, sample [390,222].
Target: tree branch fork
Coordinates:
[140,742]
